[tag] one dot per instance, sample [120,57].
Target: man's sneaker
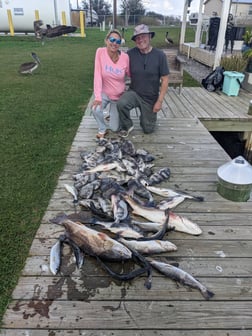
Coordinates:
[124,134]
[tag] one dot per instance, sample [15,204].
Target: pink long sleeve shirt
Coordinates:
[109,77]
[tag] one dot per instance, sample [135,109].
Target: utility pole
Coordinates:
[114,14]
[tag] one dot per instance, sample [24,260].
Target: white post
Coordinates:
[199,25]
[183,26]
[56,13]
[222,31]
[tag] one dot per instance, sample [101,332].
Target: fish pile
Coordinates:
[115,186]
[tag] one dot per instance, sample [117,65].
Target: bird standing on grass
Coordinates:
[28,68]
[167,39]
[123,39]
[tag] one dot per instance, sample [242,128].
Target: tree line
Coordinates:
[131,12]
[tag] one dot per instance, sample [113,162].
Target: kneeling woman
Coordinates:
[111,68]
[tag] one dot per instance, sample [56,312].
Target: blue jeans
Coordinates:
[114,123]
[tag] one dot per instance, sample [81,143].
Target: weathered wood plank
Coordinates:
[129,315]
[96,332]
[220,205]
[23,332]
[93,288]
[198,267]
[228,125]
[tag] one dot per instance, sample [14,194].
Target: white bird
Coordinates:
[167,39]
[29,67]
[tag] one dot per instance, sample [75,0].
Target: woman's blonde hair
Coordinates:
[113,31]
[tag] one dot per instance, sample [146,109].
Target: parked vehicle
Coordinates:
[95,18]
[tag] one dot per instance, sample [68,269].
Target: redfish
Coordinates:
[93,242]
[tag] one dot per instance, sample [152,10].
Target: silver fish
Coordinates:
[165,192]
[153,214]
[183,224]
[72,191]
[106,167]
[55,257]
[148,226]
[93,242]
[121,230]
[130,166]
[128,147]
[136,187]
[86,203]
[145,155]
[105,205]
[79,256]
[150,213]
[181,276]
[120,209]
[170,202]
[83,179]
[87,191]
[120,177]
[150,246]
[93,159]
[160,176]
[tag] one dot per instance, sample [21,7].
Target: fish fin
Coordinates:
[207,294]
[170,228]
[150,204]
[198,198]
[100,213]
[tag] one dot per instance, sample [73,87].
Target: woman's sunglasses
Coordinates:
[114,40]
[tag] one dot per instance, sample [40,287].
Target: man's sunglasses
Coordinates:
[114,40]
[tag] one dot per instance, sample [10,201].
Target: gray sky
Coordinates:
[166,7]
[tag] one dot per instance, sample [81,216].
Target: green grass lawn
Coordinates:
[39,117]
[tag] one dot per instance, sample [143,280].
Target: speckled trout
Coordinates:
[181,276]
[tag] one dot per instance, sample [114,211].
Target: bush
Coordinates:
[234,63]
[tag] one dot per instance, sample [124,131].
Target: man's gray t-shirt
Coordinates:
[146,71]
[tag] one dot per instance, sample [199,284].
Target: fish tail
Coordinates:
[198,198]
[59,219]
[207,294]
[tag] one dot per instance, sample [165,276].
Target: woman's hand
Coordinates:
[96,103]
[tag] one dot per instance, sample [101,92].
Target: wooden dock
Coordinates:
[89,302]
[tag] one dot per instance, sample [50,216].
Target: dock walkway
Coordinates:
[89,302]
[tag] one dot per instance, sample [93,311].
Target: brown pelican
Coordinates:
[28,68]
[59,30]
[167,39]
[39,32]
[49,31]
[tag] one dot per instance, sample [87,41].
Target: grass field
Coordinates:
[39,117]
